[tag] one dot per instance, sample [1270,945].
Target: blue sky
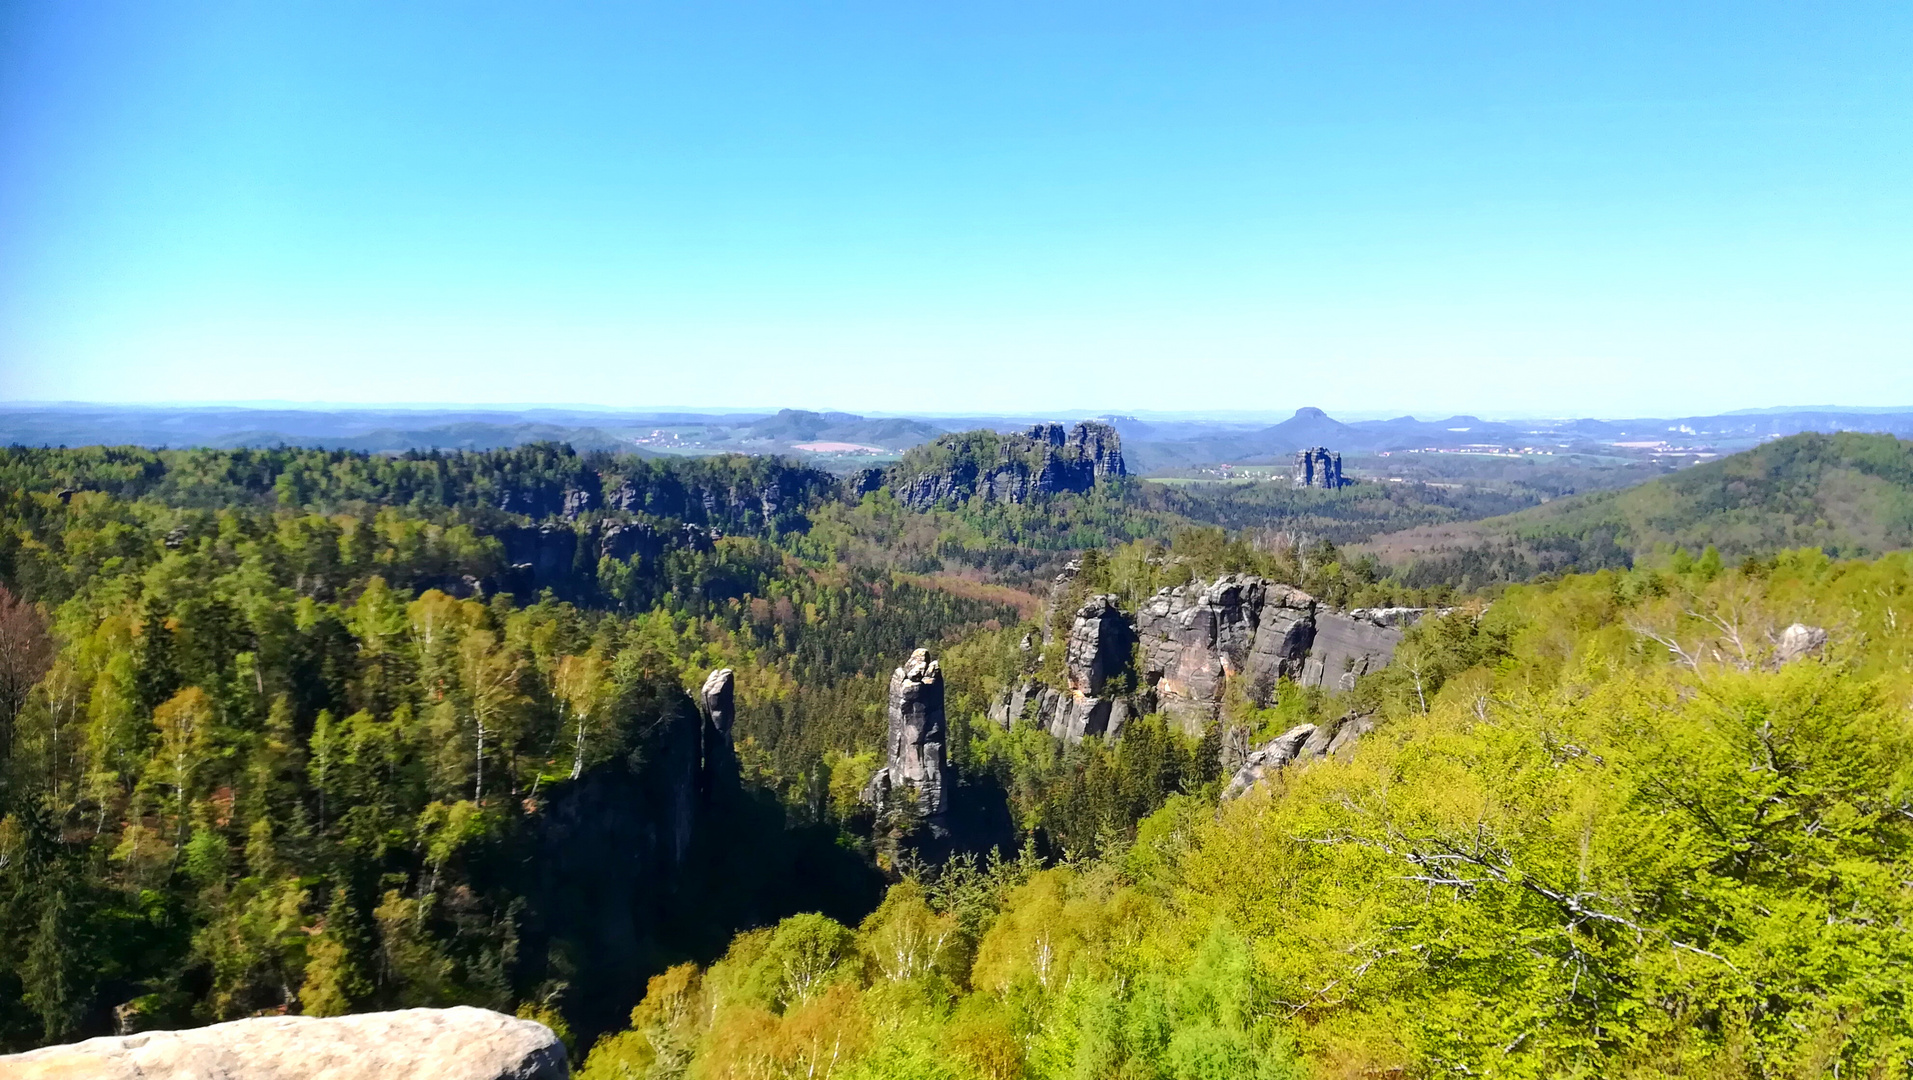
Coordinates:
[1606,209]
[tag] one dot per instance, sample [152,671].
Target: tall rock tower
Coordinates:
[1317,468]
[719,757]
[915,744]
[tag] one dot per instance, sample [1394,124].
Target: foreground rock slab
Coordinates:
[460,1043]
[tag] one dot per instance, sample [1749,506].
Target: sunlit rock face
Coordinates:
[459,1043]
[915,743]
[1196,638]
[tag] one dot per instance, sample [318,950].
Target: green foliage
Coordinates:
[1604,833]
[270,765]
[1848,494]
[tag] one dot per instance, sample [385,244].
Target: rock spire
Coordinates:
[915,754]
[1316,467]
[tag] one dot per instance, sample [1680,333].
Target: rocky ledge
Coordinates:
[460,1043]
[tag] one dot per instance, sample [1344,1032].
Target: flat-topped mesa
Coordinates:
[1046,459]
[915,744]
[1316,467]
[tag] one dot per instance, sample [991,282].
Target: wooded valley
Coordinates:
[317,731]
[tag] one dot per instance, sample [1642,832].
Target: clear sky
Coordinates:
[1591,209]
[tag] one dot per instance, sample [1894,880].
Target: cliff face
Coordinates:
[563,556]
[915,744]
[1198,637]
[1194,641]
[737,494]
[615,850]
[1316,467]
[1042,461]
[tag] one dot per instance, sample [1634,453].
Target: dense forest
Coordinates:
[1607,833]
[313,731]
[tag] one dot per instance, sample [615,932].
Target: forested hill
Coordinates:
[541,480]
[1848,494]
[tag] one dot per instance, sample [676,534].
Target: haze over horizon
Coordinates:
[1489,209]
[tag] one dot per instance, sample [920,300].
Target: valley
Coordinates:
[982,762]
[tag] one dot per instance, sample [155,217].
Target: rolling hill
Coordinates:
[1849,494]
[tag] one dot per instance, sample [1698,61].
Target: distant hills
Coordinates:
[846,441]
[1724,433]
[1849,494]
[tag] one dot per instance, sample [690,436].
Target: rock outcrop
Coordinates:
[1197,637]
[1042,461]
[1316,467]
[564,557]
[1347,646]
[1194,641]
[915,744]
[1097,665]
[1297,746]
[1798,642]
[718,697]
[460,1043]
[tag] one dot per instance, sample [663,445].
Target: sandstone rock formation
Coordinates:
[1297,746]
[1347,646]
[1195,640]
[1798,642]
[915,743]
[461,1043]
[719,701]
[1042,461]
[1316,467]
[1198,636]
[1096,665]
[562,557]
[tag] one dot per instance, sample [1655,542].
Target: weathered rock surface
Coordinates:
[1195,640]
[1798,642]
[1098,646]
[718,697]
[1197,637]
[1346,647]
[1298,746]
[1042,461]
[1316,467]
[915,743]
[460,1043]
[1097,656]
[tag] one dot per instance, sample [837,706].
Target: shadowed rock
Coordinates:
[1316,467]
[719,701]
[460,1043]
